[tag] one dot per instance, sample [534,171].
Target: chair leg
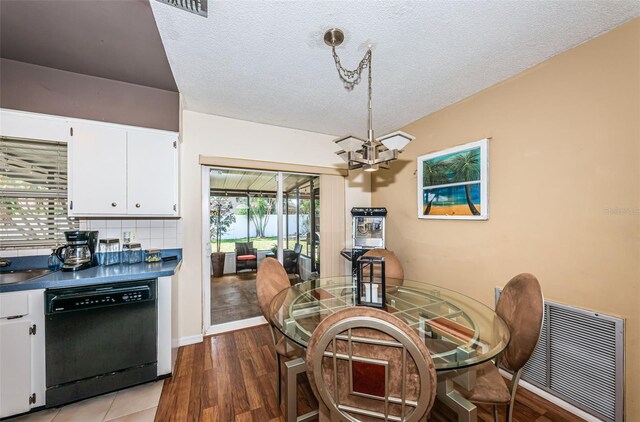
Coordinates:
[279,383]
[512,389]
[495,413]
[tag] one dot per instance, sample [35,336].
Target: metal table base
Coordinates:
[466,411]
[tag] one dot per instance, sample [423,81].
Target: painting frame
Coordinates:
[456,183]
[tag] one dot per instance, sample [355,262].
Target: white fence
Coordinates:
[239,228]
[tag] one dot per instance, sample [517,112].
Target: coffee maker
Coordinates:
[80,251]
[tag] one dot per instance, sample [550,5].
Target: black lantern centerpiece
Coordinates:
[370,282]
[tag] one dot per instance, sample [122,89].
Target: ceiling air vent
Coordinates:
[199,7]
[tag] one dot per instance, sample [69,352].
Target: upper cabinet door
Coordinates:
[152,169]
[97,170]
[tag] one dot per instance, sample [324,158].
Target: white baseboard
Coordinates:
[553,399]
[185,341]
[235,325]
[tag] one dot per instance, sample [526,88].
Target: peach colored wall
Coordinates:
[564,188]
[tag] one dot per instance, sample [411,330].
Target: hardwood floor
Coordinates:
[231,377]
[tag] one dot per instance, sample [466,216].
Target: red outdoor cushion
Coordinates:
[246,257]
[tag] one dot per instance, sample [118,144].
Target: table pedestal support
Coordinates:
[447,394]
[291,370]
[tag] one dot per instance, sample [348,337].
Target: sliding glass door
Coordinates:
[255,215]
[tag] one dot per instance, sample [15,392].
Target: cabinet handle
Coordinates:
[113,204]
[137,205]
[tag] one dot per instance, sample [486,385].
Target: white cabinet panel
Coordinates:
[22,349]
[152,173]
[14,304]
[15,366]
[20,124]
[97,170]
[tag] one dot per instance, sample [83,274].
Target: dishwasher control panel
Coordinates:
[64,300]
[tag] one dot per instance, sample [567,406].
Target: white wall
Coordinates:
[215,136]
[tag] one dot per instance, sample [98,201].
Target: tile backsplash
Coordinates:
[157,233]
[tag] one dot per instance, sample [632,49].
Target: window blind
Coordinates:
[33,193]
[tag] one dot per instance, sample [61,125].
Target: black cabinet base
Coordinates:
[94,386]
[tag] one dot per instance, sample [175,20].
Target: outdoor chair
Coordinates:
[367,364]
[521,306]
[291,260]
[246,256]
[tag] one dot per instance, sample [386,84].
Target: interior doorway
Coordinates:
[252,215]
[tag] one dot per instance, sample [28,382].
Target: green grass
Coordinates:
[263,243]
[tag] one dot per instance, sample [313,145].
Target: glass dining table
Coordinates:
[460,332]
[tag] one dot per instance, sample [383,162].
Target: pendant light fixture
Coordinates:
[369,154]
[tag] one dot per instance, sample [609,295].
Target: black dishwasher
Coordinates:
[99,338]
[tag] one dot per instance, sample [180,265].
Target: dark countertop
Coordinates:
[97,275]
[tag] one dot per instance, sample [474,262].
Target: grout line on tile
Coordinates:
[110,406]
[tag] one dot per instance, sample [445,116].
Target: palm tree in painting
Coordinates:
[465,167]
[434,173]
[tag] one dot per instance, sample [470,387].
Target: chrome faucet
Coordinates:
[4,262]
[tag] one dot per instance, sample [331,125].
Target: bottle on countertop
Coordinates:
[53,263]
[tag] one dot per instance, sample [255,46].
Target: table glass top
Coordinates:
[458,331]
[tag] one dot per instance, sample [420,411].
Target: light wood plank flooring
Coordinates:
[231,377]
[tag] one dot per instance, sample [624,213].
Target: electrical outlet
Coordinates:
[129,236]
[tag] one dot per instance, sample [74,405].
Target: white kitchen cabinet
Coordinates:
[97,170]
[22,371]
[122,171]
[25,125]
[152,173]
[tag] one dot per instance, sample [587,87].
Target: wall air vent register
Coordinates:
[580,359]
[199,7]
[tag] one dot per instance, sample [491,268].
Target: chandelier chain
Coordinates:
[351,78]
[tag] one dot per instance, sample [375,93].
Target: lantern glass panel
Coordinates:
[370,281]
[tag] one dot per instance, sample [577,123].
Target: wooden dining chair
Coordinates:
[271,280]
[521,306]
[394,274]
[366,364]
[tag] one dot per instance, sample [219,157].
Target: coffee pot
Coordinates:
[80,251]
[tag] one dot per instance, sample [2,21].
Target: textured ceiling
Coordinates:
[110,39]
[265,61]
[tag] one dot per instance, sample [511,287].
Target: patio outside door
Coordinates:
[254,215]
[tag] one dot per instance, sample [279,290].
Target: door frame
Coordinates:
[206,166]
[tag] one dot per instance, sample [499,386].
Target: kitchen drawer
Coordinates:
[14,304]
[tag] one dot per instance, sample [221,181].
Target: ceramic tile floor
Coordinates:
[135,404]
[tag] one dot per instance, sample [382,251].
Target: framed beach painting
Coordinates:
[452,184]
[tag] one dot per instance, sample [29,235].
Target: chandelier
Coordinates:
[369,154]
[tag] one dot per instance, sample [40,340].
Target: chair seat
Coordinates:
[287,349]
[490,387]
[245,257]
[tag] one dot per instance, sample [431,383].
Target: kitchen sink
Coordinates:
[17,276]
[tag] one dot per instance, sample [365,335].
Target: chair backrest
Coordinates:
[270,280]
[297,249]
[244,248]
[365,361]
[521,306]
[394,273]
